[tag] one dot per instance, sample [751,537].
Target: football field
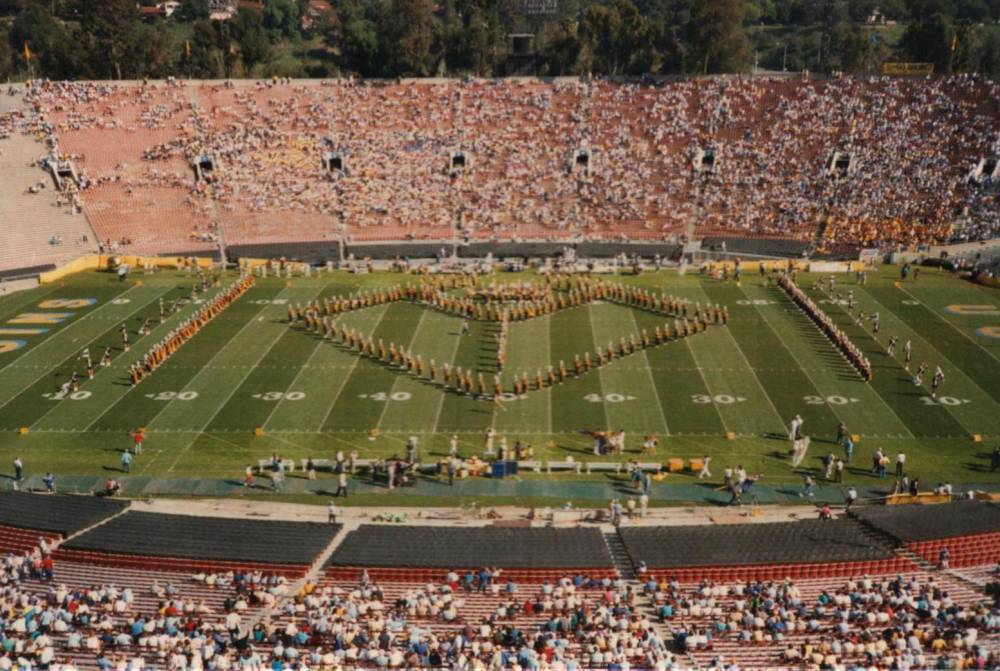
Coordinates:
[728,393]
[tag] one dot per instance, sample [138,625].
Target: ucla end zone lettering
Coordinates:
[40,318]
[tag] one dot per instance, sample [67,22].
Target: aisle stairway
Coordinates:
[620,556]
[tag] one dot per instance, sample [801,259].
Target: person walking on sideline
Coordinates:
[18,469]
[342,484]
[704,472]
[126,461]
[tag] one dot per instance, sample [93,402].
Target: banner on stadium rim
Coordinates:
[908,69]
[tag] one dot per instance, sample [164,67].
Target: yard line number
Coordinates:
[79,395]
[608,398]
[720,399]
[381,396]
[828,400]
[174,396]
[944,400]
[281,395]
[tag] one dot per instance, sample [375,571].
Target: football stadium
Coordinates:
[539,373]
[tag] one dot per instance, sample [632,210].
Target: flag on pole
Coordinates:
[27,52]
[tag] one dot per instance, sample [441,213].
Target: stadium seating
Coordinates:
[59,514]
[970,550]
[768,598]
[40,226]
[17,540]
[804,549]
[645,177]
[189,543]
[410,551]
[927,522]
[718,620]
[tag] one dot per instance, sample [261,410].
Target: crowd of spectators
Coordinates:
[179,623]
[885,622]
[484,619]
[873,161]
[477,620]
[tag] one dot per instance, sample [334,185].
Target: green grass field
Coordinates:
[248,368]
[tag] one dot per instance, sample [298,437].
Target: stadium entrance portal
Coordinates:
[986,169]
[203,167]
[840,164]
[334,163]
[63,172]
[457,163]
[704,160]
[580,162]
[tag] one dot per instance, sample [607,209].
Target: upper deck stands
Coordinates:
[910,144]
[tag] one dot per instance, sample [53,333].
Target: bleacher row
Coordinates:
[782,571]
[14,539]
[424,575]
[65,515]
[470,547]
[192,606]
[971,550]
[923,522]
[805,541]
[183,539]
[163,563]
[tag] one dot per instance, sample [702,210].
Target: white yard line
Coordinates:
[954,369]
[347,376]
[264,352]
[307,366]
[832,408]
[736,346]
[444,392]
[250,321]
[152,337]
[708,388]
[400,375]
[200,369]
[54,338]
[600,375]
[652,382]
[957,371]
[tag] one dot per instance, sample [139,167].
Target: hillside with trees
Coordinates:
[120,39]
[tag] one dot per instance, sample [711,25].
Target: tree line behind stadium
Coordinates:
[122,39]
